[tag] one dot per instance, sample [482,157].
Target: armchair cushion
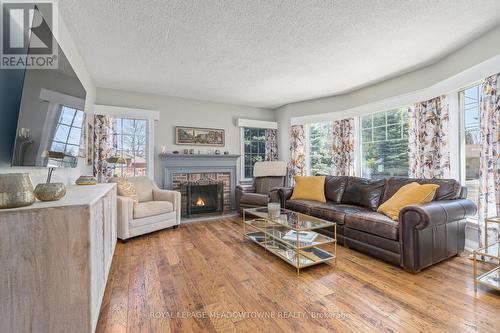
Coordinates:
[125,188]
[143,187]
[152,208]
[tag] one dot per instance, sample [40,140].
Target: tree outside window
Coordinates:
[384,144]
[254,142]
[131,140]
[320,148]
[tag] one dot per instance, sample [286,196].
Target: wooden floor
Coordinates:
[203,277]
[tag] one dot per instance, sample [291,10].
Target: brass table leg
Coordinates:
[475,272]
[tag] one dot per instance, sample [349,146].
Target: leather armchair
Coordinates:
[156,209]
[269,177]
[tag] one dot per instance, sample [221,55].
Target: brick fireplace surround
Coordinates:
[178,168]
[179,178]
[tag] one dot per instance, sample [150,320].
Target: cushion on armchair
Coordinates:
[151,208]
[143,187]
[125,188]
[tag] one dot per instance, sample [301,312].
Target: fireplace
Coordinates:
[203,196]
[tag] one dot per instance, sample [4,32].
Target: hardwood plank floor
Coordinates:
[204,277]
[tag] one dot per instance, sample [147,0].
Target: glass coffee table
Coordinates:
[291,236]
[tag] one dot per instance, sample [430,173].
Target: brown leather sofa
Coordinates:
[425,234]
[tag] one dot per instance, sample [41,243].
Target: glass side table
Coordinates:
[491,278]
[496,220]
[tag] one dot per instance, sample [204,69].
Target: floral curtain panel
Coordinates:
[297,163]
[489,160]
[103,146]
[429,154]
[271,145]
[343,148]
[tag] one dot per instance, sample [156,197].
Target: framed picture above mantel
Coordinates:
[198,136]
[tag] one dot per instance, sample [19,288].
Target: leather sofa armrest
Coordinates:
[432,232]
[245,188]
[125,214]
[436,213]
[284,193]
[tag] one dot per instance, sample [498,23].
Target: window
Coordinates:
[131,143]
[68,132]
[319,138]
[254,148]
[470,108]
[384,144]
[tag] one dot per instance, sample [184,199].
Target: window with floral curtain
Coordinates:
[296,164]
[103,146]
[271,145]
[343,147]
[429,155]
[489,160]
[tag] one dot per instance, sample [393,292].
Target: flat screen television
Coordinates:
[50,117]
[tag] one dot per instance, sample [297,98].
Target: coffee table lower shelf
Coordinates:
[307,257]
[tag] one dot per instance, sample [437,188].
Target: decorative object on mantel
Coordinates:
[196,136]
[50,191]
[16,190]
[86,180]
[186,151]
[191,151]
[226,153]
[217,152]
[175,152]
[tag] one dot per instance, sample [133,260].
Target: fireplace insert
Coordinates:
[203,196]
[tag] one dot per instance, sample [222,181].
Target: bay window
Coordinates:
[319,158]
[384,144]
[470,107]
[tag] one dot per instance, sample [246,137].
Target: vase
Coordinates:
[50,191]
[16,190]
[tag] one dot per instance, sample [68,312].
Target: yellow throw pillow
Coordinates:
[309,188]
[125,188]
[410,194]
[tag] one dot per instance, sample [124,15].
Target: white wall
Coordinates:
[68,175]
[469,64]
[175,111]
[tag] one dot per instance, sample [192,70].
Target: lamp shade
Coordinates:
[116,160]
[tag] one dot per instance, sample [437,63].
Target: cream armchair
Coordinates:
[157,209]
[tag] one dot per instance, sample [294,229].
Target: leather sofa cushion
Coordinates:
[335,212]
[363,192]
[335,187]
[254,199]
[449,189]
[152,208]
[373,223]
[301,206]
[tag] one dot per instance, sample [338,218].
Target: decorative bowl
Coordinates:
[50,191]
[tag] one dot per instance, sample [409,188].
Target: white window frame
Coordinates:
[250,123]
[140,114]
[242,159]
